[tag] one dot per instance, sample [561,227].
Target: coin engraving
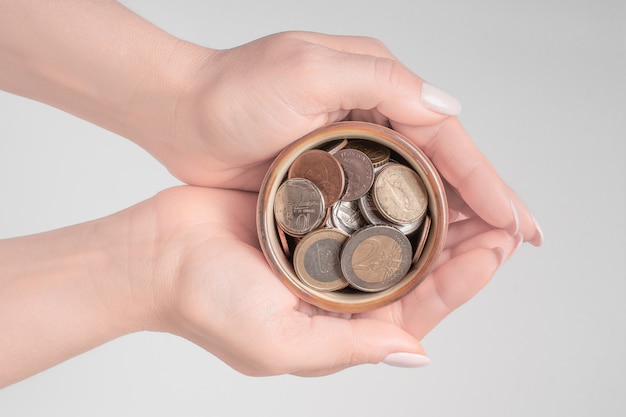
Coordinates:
[371,214]
[359,173]
[317,260]
[399,194]
[299,206]
[347,217]
[323,170]
[376,258]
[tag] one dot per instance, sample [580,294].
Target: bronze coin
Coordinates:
[400,194]
[377,153]
[299,206]
[323,170]
[421,242]
[376,258]
[334,146]
[359,173]
[316,260]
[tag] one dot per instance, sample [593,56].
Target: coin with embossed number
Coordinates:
[323,170]
[299,206]
[376,258]
[359,173]
[377,153]
[316,260]
[400,194]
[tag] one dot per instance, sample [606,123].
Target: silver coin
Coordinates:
[359,173]
[376,258]
[316,260]
[346,216]
[400,194]
[371,214]
[299,206]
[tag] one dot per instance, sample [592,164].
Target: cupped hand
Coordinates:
[213,286]
[243,105]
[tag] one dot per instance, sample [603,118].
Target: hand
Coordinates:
[221,294]
[244,105]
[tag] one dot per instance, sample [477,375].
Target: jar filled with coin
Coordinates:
[352,216]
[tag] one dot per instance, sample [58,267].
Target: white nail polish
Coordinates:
[439,101]
[406,360]
[538,239]
[515,230]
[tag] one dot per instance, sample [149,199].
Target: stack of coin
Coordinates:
[351,216]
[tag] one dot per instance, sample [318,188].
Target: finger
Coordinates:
[447,288]
[348,81]
[467,170]
[326,344]
[351,44]
[463,230]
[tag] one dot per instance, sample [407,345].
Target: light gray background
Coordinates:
[543,86]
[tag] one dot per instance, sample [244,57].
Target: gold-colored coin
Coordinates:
[317,261]
[376,258]
[299,206]
[377,153]
[400,194]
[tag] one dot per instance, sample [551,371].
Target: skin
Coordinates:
[187,261]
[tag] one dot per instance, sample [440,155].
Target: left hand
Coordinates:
[222,295]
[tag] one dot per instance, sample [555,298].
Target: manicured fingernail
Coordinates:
[439,101]
[406,360]
[514,228]
[537,240]
[500,254]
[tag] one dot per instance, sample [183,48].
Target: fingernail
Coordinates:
[537,240]
[406,360]
[514,229]
[500,254]
[439,101]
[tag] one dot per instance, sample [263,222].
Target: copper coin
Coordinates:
[334,146]
[400,194]
[299,206]
[323,170]
[377,153]
[359,173]
[376,258]
[347,217]
[316,260]
[421,242]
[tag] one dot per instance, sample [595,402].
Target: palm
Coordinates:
[225,287]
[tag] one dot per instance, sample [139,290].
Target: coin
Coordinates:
[399,194]
[323,170]
[376,258]
[377,153]
[371,214]
[346,216]
[421,242]
[299,206]
[316,260]
[334,146]
[359,173]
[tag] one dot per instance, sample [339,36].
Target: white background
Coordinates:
[543,86]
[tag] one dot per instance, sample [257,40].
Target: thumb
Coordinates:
[331,344]
[368,82]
